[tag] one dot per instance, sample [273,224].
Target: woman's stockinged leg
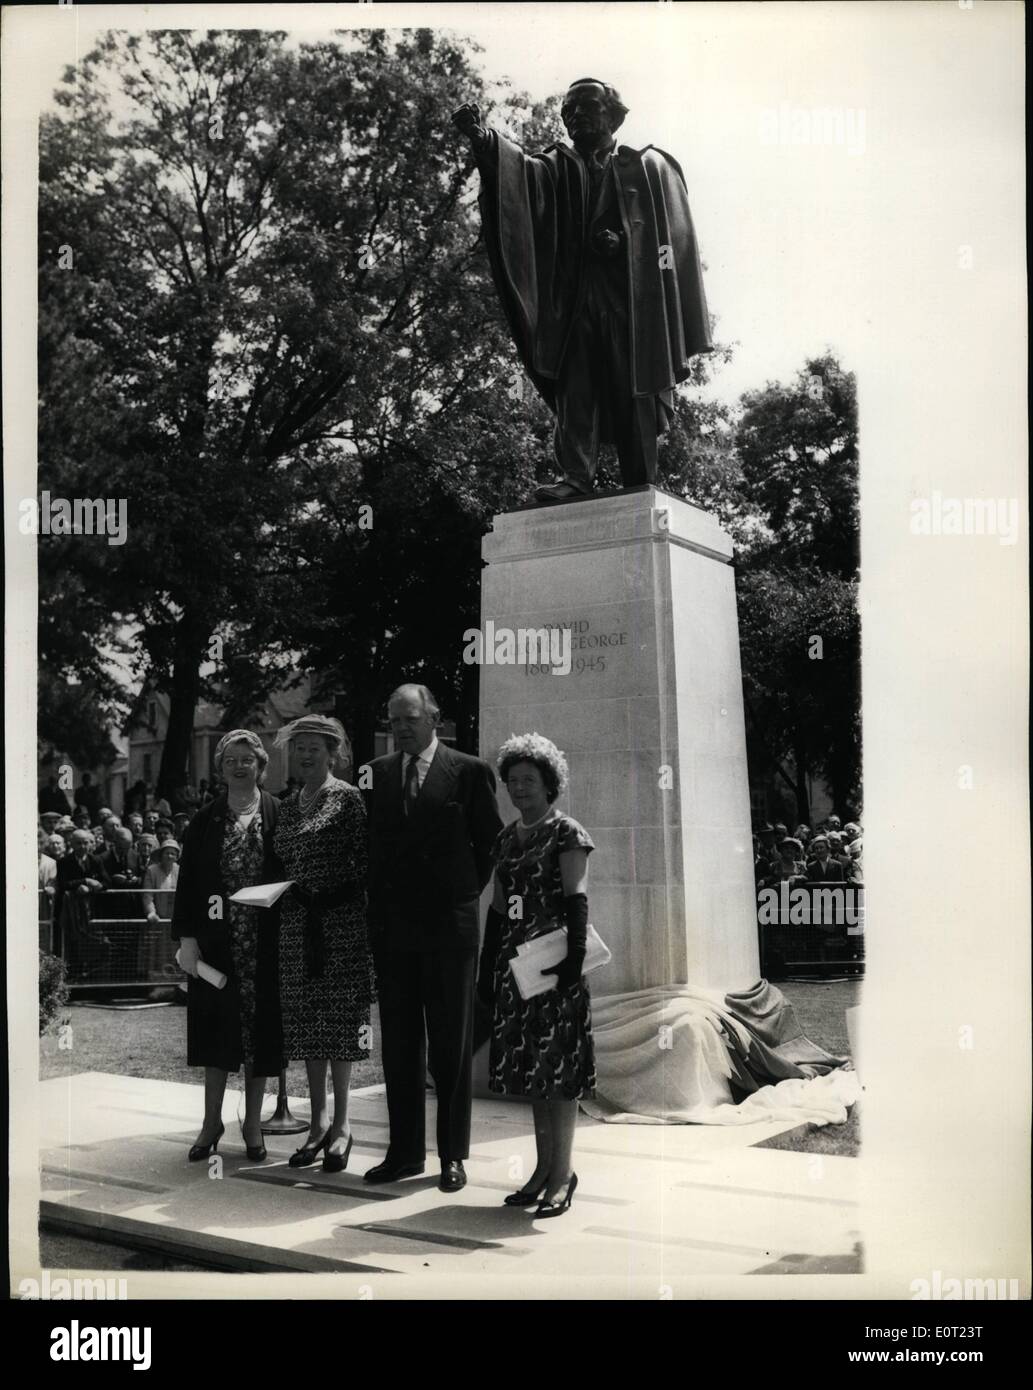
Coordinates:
[320,1121]
[214,1092]
[254,1094]
[543,1145]
[340,1130]
[563,1115]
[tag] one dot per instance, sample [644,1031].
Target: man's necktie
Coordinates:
[411,790]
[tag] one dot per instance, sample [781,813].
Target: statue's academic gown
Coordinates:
[534,211]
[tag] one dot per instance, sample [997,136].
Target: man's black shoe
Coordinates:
[453,1176]
[559,492]
[389,1171]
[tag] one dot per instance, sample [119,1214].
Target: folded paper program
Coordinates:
[543,952]
[261,894]
[208,973]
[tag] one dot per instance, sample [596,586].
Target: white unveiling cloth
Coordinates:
[662,1058]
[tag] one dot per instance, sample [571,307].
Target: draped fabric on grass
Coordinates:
[678,1055]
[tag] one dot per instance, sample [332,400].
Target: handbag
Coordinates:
[543,952]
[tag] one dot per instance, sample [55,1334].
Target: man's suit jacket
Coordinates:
[427,870]
[116,863]
[831,873]
[71,874]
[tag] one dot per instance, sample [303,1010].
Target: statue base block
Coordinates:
[650,717]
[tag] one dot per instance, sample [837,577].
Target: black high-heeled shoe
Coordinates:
[525,1197]
[558,1208]
[201,1151]
[301,1158]
[257,1153]
[336,1163]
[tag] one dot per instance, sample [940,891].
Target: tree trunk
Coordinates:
[803,802]
[363,728]
[844,778]
[184,692]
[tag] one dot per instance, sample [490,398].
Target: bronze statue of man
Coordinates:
[594,258]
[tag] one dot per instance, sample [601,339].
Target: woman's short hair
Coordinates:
[541,753]
[321,726]
[252,741]
[792,843]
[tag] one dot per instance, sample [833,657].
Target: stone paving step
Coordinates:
[654,1205]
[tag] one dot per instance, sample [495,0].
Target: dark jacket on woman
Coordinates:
[213,1015]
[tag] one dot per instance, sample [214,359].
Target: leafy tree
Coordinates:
[799,636]
[797,589]
[268,321]
[798,449]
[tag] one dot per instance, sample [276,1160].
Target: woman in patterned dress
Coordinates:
[228,846]
[540,1047]
[326,970]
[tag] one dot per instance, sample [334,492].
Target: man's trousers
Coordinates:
[427,1000]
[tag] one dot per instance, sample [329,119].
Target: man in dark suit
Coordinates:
[432,818]
[80,875]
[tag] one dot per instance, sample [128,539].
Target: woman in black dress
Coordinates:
[229,846]
[540,1047]
[326,970]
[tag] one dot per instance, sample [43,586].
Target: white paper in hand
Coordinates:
[207,972]
[261,894]
[543,952]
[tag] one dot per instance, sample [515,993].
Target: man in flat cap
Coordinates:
[594,258]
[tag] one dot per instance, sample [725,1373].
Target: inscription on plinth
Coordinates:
[646,702]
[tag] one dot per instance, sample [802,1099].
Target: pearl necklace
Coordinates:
[307,805]
[533,825]
[249,809]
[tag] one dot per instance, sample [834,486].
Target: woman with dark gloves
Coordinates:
[540,1047]
[229,846]
[326,970]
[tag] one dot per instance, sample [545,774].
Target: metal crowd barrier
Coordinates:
[114,951]
[111,949]
[817,932]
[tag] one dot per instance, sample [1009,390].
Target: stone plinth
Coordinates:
[650,717]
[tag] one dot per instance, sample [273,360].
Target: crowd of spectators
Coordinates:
[100,872]
[86,850]
[830,853]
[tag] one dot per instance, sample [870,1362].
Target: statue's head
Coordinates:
[592,111]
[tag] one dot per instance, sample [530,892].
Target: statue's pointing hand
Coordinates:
[467,120]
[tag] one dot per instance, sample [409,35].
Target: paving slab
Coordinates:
[654,1203]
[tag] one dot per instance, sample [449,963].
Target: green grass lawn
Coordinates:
[821,1011]
[152,1043]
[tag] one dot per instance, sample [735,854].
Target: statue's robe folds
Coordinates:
[535,215]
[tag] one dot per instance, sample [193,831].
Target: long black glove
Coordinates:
[489,955]
[568,971]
